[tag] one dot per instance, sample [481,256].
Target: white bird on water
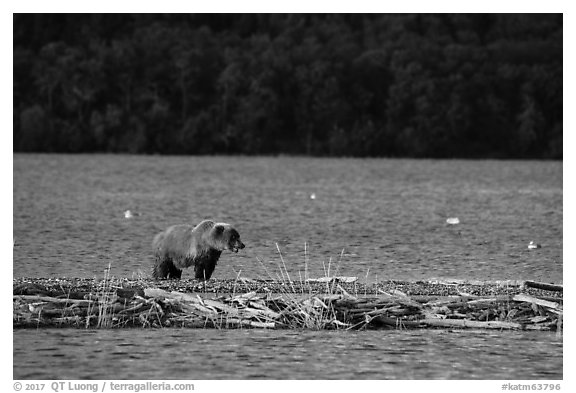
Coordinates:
[453,221]
[312,196]
[128,214]
[533,246]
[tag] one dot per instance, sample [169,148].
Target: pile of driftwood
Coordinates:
[155,307]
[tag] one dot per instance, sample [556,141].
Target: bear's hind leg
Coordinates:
[164,268]
[174,272]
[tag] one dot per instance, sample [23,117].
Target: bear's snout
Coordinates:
[237,246]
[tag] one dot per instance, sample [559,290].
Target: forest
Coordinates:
[358,85]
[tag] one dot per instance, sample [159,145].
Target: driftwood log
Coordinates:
[112,304]
[544,286]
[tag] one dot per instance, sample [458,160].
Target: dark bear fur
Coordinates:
[181,246]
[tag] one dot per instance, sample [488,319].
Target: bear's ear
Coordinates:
[218,229]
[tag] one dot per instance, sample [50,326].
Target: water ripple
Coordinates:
[388,215]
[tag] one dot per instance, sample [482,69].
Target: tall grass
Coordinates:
[303,309]
[105,298]
[102,313]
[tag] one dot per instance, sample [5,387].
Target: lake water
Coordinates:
[389,217]
[264,354]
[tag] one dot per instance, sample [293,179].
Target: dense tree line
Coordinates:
[450,85]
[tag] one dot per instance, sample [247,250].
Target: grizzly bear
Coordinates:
[181,246]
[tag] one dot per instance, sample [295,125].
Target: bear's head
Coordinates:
[226,237]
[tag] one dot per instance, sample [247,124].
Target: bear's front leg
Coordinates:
[203,270]
[200,273]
